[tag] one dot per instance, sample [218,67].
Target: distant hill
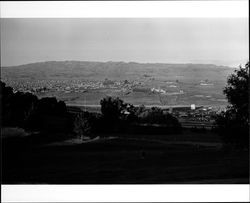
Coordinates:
[200,84]
[116,71]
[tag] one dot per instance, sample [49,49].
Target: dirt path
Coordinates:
[77,141]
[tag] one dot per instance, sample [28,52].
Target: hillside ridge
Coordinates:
[116,62]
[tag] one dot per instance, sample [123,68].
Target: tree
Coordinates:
[49,115]
[156,115]
[112,113]
[6,93]
[233,124]
[16,107]
[112,108]
[22,107]
[236,92]
[132,113]
[81,124]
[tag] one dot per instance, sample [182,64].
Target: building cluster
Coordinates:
[162,91]
[68,86]
[198,114]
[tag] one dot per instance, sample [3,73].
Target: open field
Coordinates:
[193,94]
[130,159]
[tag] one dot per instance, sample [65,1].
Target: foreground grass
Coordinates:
[138,159]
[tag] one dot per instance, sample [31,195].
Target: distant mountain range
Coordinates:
[117,71]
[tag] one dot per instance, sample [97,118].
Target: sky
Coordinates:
[220,41]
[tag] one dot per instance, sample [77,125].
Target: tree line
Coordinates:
[27,111]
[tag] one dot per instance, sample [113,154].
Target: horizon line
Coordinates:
[114,61]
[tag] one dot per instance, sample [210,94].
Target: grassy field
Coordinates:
[193,94]
[126,159]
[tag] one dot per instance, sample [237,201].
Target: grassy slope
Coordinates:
[122,161]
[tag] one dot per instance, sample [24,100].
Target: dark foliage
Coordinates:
[26,111]
[233,124]
[86,124]
[232,129]
[157,116]
[112,108]
[112,111]
[16,107]
[122,117]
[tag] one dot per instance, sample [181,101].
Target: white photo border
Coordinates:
[125,193]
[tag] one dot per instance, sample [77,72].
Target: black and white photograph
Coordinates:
[125,100]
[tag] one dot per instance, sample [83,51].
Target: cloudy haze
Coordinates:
[168,40]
